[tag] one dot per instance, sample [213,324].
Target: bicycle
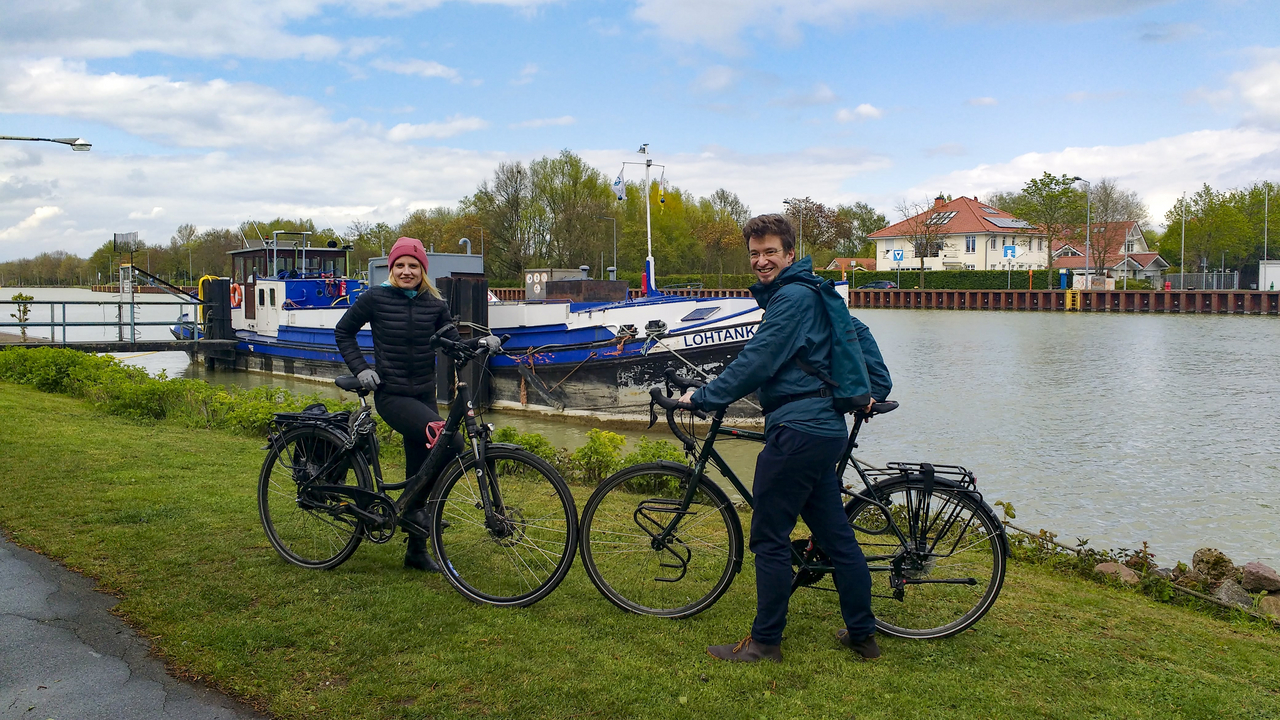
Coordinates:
[502,521]
[662,539]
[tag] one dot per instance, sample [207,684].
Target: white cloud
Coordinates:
[139,215]
[864,111]
[762,180]
[526,74]
[721,23]
[455,125]
[820,94]
[715,79]
[213,114]
[947,149]
[1159,170]
[31,222]
[193,28]
[421,68]
[1259,87]
[1169,32]
[545,122]
[981,101]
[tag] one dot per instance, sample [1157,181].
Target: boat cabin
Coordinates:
[305,276]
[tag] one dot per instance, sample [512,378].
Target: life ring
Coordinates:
[237,295]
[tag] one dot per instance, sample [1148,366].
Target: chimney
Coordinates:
[939,201]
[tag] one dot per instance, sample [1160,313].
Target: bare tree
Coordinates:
[1110,207]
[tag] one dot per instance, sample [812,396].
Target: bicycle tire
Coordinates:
[964,543]
[620,556]
[309,531]
[529,554]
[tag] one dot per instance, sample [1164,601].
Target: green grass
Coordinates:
[166,518]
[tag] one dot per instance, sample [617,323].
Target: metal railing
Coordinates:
[59,320]
[1229,280]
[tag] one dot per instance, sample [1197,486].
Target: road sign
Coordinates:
[1011,251]
[897,256]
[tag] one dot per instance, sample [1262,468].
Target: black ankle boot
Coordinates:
[416,556]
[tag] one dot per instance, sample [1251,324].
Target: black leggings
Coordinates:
[409,416]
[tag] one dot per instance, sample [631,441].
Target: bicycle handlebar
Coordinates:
[680,381]
[671,404]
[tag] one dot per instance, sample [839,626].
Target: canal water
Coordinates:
[1109,427]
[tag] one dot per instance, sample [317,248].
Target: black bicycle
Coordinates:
[503,524]
[662,539]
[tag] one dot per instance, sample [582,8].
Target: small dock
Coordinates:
[1225,302]
[222,349]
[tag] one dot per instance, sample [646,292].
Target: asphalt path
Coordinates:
[64,656]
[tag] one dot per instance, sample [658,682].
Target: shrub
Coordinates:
[597,459]
[648,450]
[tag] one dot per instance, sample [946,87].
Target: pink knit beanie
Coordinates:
[408,246]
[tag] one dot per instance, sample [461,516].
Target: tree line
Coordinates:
[558,211]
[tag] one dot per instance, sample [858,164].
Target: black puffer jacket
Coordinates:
[401,327]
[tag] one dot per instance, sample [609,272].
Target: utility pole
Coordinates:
[1182,257]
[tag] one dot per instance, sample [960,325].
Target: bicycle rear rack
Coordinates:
[671,506]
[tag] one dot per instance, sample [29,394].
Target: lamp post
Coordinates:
[800,221]
[615,236]
[481,229]
[1088,223]
[1182,255]
[78,144]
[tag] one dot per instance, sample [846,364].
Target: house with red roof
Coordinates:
[846,264]
[961,234]
[1125,250]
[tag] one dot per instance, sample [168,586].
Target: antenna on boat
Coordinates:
[650,285]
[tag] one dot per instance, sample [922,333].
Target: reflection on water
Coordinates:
[1116,428]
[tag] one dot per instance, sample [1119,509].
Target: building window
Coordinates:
[970,243]
[1042,246]
[993,266]
[1128,246]
[940,218]
[993,242]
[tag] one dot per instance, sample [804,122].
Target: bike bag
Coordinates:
[314,414]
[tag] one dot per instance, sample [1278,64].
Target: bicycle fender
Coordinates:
[950,485]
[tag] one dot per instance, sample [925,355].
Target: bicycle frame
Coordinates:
[708,454]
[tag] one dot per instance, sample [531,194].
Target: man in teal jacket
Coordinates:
[804,438]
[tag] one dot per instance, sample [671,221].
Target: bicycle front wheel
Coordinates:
[641,568]
[518,556]
[946,575]
[308,527]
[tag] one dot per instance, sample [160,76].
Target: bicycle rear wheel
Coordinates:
[524,553]
[948,573]
[677,577]
[310,528]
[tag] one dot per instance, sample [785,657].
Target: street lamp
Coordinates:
[800,220]
[481,229]
[615,237]
[78,144]
[1088,222]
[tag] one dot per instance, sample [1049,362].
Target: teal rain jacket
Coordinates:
[794,319]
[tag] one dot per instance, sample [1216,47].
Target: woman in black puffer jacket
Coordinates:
[403,313]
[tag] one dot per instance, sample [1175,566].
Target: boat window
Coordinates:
[273,297]
[262,297]
[700,314]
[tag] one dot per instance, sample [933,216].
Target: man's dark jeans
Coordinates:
[796,476]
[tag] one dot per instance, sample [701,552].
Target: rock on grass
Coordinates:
[1118,572]
[1231,593]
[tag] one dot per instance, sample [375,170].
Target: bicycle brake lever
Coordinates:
[653,415]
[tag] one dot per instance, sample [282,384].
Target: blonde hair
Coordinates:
[428,287]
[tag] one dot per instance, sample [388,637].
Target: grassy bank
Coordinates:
[164,516]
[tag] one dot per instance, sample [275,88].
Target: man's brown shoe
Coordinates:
[866,648]
[746,650]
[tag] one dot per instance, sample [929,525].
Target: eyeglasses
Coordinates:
[769,252]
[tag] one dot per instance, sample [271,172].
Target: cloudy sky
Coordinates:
[213,111]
